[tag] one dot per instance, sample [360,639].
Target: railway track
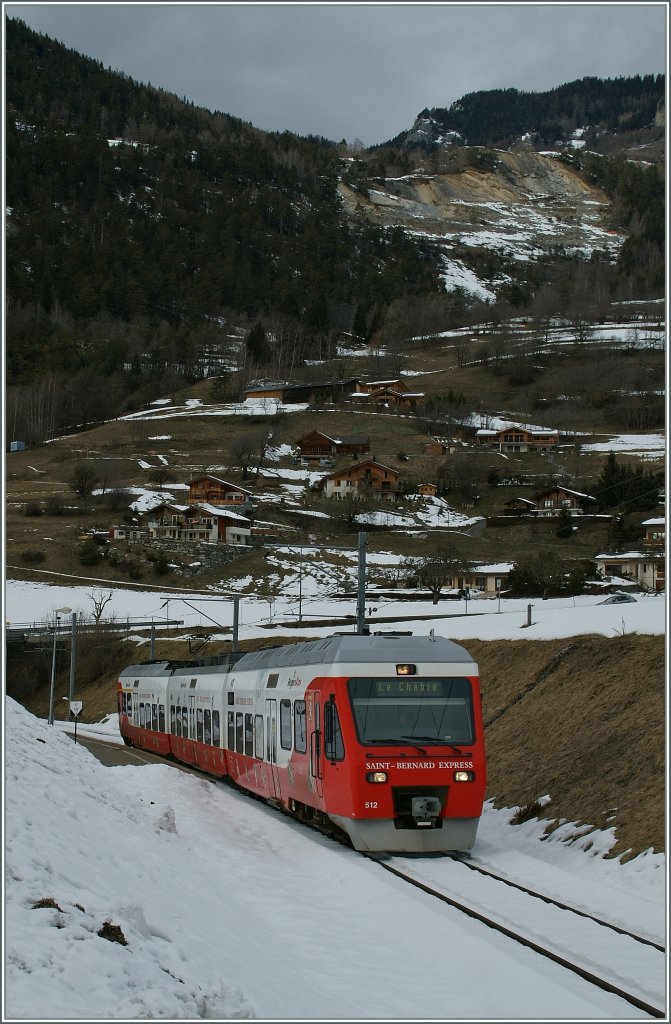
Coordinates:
[595,945]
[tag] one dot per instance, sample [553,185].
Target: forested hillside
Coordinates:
[150,242]
[499,117]
[127,203]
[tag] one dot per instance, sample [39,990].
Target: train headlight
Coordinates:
[464,776]
[376,776]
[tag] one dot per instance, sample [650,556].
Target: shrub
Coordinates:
[32,508]
[55,505]
[87,552]
[527,812]
[32,555]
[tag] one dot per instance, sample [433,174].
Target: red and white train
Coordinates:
[376,736]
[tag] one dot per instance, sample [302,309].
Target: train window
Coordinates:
[258,737]
[239,733]
[249,735]
[173,719]
[216,733]
[231,697]
[161,718]
[300,732]
[272,680]
[231,730]
[177,728]
[192,684]
[334,749]
[154,717]
[185,723]
[435,710]
[140,715]
[199,725]
[207,726]
[285,724]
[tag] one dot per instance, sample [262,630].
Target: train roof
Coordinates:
[342,648]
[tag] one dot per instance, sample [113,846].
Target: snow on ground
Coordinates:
[230,911]
[307,579]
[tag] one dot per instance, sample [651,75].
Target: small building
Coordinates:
[17,446]
[363,478]
[516,438]
[519,507]
[214,490]
[428,490]
[645,568]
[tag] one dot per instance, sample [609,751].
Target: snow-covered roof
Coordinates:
[221,513]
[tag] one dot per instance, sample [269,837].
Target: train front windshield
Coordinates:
[417,710]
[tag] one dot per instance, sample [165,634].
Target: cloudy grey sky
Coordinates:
[354,70]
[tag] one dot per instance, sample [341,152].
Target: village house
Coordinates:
[215,491]
[515,438]
[428,490]
[172,522]
[645,568]
[551,500]
[363,478]
[387,394]
[316,448]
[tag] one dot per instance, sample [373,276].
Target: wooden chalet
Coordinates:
[317,446]
[218,492]
[386,394]
[551,501]
[515,438]
[172,522]
[363,478]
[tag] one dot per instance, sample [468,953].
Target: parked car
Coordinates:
[619,599]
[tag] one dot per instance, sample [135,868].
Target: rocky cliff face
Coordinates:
[530,205]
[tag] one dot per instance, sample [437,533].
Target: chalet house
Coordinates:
[317,446]
[362,478]
[172,522]
[518,439]
[429,490]
[551,500]
[215,491]
[387,394]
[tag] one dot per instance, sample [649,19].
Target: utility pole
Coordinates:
[361,628]
[73,658]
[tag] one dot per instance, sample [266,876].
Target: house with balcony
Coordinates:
[363,479]
[552,500]
[387,394]
[173,523]
[515,438]
[215,491]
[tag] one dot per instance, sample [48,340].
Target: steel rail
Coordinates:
[593,979]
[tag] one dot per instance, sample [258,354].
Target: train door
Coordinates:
[271,745]
[316,770]
[192,716]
